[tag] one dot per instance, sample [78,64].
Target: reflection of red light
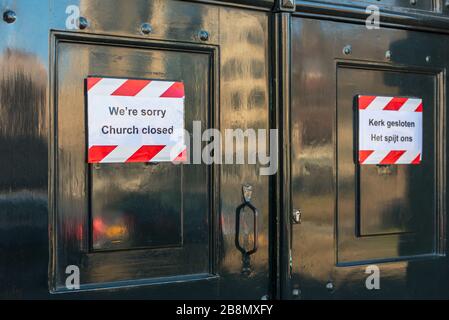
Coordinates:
[79,231]
[99,225]
[101,230]
[98,228]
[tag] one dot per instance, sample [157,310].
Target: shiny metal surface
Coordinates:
[401,205]
[285,5]
[238,219]
[394,215]
[117,206]
[427,5]
[244,91]
[244,103]
[282,97]
[251,4]
[392,222]
[209,266]
[130,207]
[170,20]
[392,17]
[23,156]
[296,216]
[9,16]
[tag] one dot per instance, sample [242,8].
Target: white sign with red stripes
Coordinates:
[135,120]
[390,130]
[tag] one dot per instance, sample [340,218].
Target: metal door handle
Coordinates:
[247,191]
[237,228]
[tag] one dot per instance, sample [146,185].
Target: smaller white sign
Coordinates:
[135,120]
[390,130]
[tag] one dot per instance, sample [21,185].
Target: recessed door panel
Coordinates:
[128,221]
[384,211]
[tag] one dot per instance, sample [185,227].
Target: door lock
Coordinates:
[296,216]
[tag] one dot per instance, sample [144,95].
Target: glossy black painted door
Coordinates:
[356,219]
[165,231]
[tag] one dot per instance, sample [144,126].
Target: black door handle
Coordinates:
[246,254]
[255,213]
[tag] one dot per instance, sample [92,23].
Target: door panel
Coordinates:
[244,104]
[154,220]
[160,230]
[356,216]
[392,213]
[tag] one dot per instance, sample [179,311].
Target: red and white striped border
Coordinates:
[135,88]
[390,103]
[146,153]
[388,157]
[381,103]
